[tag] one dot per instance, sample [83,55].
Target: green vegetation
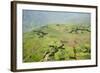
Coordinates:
[56,42]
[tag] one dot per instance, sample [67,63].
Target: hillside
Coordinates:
[55,42]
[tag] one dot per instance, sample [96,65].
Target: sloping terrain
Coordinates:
[55,42]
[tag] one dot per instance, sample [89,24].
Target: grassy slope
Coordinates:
[34,46]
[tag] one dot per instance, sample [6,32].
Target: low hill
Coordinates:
[55,42]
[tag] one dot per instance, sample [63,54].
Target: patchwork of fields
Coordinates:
[56,42]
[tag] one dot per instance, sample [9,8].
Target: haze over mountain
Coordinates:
[33,18]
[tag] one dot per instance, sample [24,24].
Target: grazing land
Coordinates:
[57,42]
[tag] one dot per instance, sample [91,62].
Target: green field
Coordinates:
[57,42]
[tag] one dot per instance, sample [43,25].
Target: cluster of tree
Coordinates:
[40,33]
[80,29]
[49,55]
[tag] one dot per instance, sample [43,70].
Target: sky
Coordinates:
[36,18]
